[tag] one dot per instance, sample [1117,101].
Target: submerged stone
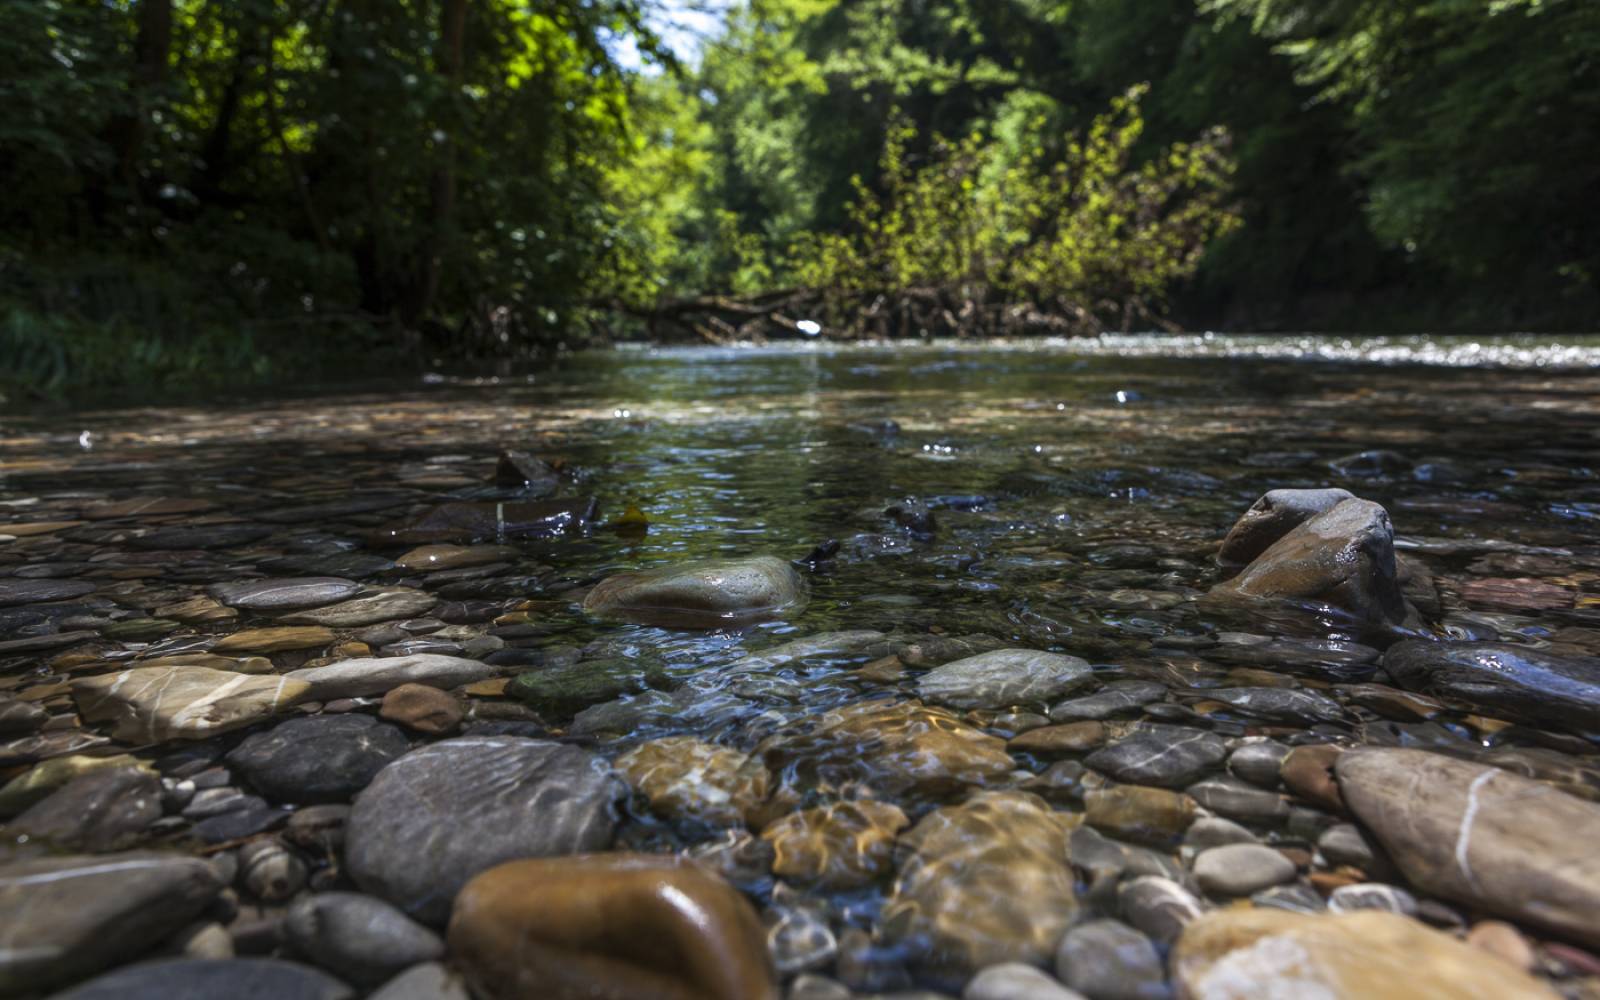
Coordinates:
[1515,682]
[379,675]
[1003,678]
[713,594]
[324,758]
[687,778]
[283,594]
[473,522]
[151,704]
[836,847]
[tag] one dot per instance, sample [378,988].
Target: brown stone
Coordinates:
[1073,737]
[1517,594]
[196,610]
[1308,772]
[690,779]
[1245,954]
[842,846]
[1271,517]
[422,709]
[608,927]
[1139,812]
[494,687]
[884,670]
[274,640]
[429,558]
[1504,942]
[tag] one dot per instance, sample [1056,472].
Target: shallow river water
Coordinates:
[178,776]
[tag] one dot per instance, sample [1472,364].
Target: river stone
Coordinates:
[837,847]
[1116,698]
[1342,558]
[1270,518]
[471,522]
[566,689]
[1512,682]
[274,640]
[1108,960]
[1284,705]
[1169,757]
[893,747]
[379,605]
[1258,763]
[984,882]
[1072,737]
[1228,796]
[1240,869]
[428,981]
[1481,836]
[1002,678]
[423,709]
[713,594]
[686,778]
[1139,813]
[432,558]
[210,978]
[379,675]
[45,777]
[152,704]
[200,536]
[1247,954]
[363,939]
[821,644]
[441,814]
[609,927]
[283,594]
[15,591]
[1160,907]
[1013,981]
[1372,896]
[319,759]
[101,810]
[18,718]
[69,917]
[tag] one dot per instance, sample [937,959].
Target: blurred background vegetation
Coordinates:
[200,191]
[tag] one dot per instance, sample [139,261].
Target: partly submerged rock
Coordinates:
[714,594]
[472,522]
[1520,683]
[1274,515]
[151,704]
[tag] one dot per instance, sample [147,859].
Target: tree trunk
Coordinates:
[442,185]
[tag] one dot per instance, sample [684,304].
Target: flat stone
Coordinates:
[363,939]
[1243,954]
[1241,869]
[376,605]
[274,640]
[323,758]
[1520,683]
[441,814]
[687,778]
[69,917]
[1169,757]
[1115,698]
[1002,678]
[1139,813]
[837,847]
[609,927]
[39,781]
[367,676]
[423,709]
[1308,772]
[152,704]
[713,594]
[1481,836]
[101,810]
[433,558]
[283,594]
[1108,960]
[1228,796]
[1303,708]
[1013,981]
[982,883]
[209,978]
[471,521]
[1073,737]
[1372,896]
[14,591]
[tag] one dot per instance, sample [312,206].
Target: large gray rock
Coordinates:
[102,810]
[702,595]
[436,817]
[1341,560]
[1169,756]
[284,594]
[1277,513]
[380,675]
[363,939]
[69,917]
[1481,836]
[1003,677]
[323,758]
[152,704]
[1514,682]
[210,978]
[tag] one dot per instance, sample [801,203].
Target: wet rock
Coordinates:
[274,640]
[14,591]
[472,522]
[20,717]
[836,847]
[1480,835]
[379,675]
[379,605]
[1214,831]
[47,776]
[823,644]
[433,558]
[936,650]
[1167,756]
[283,594]
[799,939]
[1270,518]
[1160,907]
[208,978]
[1235,954]
[1002,678]
[1513,682]
[1308,772]
[1241,869]
[608,927]
[1342,558]
[518,798]
[1015,981]
[1372,896]
[1115,698]
[269,871]
[521,471]
[1348,844]
[200,536]
[423,709]
[1073,737]
[428,981]
[686,778]
[1504,942]
[101,810]
[1138,813]
[1283,705]
[86,913]
[363,939]
[1228,796]
[984,882]
[570,688]
[893,747]
[701,595]
[1108,960]
[152,704]
[323,758]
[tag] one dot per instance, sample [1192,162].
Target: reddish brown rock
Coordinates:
[422,709]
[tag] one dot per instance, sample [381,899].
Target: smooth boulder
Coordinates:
[1274,515]
[712,594]
[1519,683]
[363,939]
[319,759]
